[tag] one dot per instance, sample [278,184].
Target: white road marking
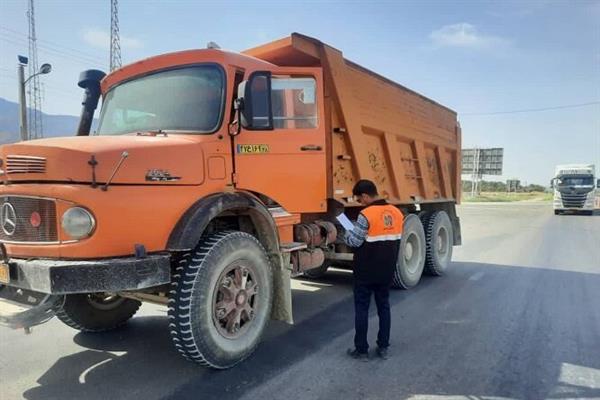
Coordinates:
[455,397]
[577,376]
[477,276]
[309,286]
[84,373]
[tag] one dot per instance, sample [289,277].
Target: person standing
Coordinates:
[376,239]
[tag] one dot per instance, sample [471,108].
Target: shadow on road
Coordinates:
[526,337]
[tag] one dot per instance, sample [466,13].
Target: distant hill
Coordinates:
[54,125]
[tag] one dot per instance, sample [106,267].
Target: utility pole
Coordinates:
[475,176]
[35,95]
[115,43]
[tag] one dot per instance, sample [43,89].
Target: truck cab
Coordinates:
[575,189]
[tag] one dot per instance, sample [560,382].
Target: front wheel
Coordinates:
[220,300]
[96,312]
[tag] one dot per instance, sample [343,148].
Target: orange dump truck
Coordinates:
[212,179]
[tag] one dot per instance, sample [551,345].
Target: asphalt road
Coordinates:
[517,316]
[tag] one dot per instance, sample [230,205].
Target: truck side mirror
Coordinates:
[598,183]
[255,94]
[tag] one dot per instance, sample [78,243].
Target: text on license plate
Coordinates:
[4,274]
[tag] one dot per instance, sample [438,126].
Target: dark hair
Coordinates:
[364,186]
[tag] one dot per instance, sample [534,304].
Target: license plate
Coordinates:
[4,274]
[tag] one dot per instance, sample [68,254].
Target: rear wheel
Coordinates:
[411,257]
[220,300]
[439,234]
[96,312]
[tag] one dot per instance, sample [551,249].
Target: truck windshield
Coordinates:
[576,181]
[186,99]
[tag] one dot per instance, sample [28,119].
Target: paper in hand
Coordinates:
[346,223]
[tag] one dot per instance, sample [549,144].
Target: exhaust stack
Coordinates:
[90,81]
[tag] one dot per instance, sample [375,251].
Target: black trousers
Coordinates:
[362,300]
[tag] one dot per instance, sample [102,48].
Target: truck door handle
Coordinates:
[311,147]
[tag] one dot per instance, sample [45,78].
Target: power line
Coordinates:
[21,42]
[536,109]
[50,50]
[55,45]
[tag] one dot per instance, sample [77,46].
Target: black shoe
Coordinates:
[357,355]
[382,352]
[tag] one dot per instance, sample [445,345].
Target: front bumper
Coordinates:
[59,277]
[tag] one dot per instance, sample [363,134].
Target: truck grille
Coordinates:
[19,223]
[573,200]
[25,165]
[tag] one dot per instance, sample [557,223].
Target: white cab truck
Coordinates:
[576,189]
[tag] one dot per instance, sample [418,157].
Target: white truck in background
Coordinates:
[576,189]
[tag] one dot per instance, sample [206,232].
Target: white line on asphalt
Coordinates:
[84,373]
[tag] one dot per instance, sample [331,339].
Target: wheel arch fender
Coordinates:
[193,223]
[191,226]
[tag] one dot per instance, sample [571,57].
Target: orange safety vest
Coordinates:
[385,222]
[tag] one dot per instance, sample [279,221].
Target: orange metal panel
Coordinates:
[125,215]
[376,115]
[395,161]
[293,177]
[424,176]
[333,60]
[442,163]
[285,226]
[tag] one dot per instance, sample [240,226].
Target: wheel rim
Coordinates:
[442,243]
[104,301]
[235,299]
[411,253]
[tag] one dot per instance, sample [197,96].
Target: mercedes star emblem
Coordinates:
[8,219]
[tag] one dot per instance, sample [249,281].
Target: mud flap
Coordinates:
[20,308]
[282,291]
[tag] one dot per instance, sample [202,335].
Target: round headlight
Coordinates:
[78,222]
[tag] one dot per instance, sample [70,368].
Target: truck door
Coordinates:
[281,151]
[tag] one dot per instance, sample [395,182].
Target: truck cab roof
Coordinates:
[182,58]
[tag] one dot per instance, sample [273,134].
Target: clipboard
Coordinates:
[346,223]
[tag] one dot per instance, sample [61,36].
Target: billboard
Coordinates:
[482,161]
[512,185]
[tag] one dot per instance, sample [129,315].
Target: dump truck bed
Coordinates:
[407,144]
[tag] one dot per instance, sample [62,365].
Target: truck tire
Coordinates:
[557,212]
[439,235]
[411,258]
[220,300]
[96,312]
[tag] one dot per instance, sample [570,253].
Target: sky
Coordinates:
[480,58]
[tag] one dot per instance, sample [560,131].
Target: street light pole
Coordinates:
[44,69]
[22,101]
